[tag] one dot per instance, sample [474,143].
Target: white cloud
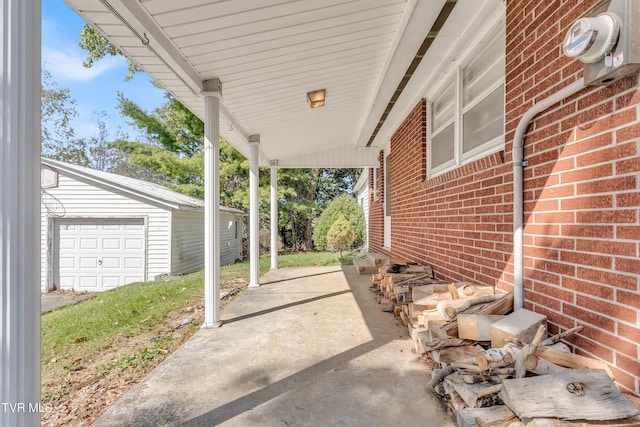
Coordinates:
[65,64]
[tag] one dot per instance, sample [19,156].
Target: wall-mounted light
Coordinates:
[316,98]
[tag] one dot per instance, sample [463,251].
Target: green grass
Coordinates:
[123,321]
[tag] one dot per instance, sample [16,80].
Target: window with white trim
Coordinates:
[467,114]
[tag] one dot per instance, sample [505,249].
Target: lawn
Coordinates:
[120,335]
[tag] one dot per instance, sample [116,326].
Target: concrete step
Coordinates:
[365,266]
[377,259]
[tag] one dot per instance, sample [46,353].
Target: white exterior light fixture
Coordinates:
[316,98]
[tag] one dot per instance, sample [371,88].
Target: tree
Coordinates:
[346,206]
[97,47]
[340,236]
[58,109]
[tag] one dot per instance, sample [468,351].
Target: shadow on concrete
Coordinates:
[285,306]
[266,279]
[331,360]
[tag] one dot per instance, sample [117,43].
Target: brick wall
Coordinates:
[582,197]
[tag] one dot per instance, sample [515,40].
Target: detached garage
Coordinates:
[101,230]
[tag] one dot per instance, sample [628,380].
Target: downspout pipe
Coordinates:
[518,184]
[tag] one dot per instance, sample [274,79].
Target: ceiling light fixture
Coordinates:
[316,98]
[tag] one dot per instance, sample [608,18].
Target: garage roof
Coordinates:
[147,190]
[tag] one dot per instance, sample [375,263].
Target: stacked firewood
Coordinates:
[495,367]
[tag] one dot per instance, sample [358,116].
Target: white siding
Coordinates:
[362,194]
[188,240]
[230,238]
[73,198]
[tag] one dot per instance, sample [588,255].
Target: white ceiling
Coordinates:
[269,53]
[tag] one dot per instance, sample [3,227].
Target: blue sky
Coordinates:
[94,89]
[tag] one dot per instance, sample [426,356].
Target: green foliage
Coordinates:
[138,359]
[340,236]
[97,47]
[58,109]
[344,205]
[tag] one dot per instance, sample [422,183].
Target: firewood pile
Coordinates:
[492,366]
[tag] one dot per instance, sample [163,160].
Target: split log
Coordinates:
[438,375]
[538,366]
[570,360]
[552,422]
[455,354]
[476,327]
[498,357]
[474,395]
[450,309]
[558,337]
[430,295]
[472,417]
[529,348]
[570,395]
[519,326]
[501,306]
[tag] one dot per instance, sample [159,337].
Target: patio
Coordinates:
[309,347]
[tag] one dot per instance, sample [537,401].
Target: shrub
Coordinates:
[340,236]
[346,206]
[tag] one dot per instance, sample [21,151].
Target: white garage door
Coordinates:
[98,254]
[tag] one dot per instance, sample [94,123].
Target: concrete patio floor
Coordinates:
[308,348]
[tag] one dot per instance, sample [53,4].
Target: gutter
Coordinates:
[518,184]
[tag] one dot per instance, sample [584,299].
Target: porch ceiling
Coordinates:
[269,53]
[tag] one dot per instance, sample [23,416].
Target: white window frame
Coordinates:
[456,76]
[375,184]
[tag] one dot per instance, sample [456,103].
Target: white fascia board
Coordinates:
[342,157]
[418,17]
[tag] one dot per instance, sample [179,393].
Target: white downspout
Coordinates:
[518,184]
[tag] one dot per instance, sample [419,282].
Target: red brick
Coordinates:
[627,264]
[589,317]
[587,288]
[608,216]
[611,341]
[555,292]
[607,185]
[607,308]
[629,332]
[607,247]
[608,278]
[631,232]
[587,347]
[627,364]
[607,155]
[629,298]
[580,230]
[586,174]
[628,199]
[591,202]
[624,380]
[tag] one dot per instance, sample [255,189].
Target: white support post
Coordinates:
[274,217]
[254,207]
[20,214]
[212,204]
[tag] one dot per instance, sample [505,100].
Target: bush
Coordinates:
[346,206]
[340,236]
